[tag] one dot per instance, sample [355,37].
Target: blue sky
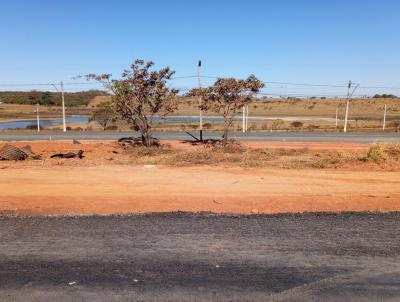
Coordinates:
[282,41]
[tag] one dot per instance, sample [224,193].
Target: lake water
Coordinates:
[43,123]
[85,119]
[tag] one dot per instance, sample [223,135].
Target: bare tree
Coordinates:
[103,114]
[227,97]
[141,94]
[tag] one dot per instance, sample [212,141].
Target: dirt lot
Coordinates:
[114,180]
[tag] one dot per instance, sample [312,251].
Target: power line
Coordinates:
[305,84]
[377,87]
[206,76]
[76,83]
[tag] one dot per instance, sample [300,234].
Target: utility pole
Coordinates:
[384,119]
[244,119]
[63,106]
[337,109]
[247,117]
[347,107]
[349,95]
[200,100]
[37,117]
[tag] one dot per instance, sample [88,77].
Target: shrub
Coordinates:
[297,124]
[230,147]
[207,125]
[252,127]
[112,127]
[140,150]
[394,124]
[33,127]
[375,154]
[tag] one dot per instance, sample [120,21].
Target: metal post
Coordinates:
[200,100]
[384,119]
[347,107]
[63,106]
[37,118]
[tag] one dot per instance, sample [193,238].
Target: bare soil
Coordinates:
[129,183]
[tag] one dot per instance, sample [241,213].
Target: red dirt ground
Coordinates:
[106,188]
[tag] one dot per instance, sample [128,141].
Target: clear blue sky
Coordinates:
[287,41]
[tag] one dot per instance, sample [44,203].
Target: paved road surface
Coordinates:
[250,136]
[188,257]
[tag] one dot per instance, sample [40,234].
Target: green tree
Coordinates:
[227,97]
[46,98]
[141,94]
[104,114]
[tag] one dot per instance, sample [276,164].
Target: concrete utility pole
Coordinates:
[62,103]
[349,95]
[347,107]
[247,117]
[200,100]
[244,119]
[337,110]
[384,119]
[63,106]
[37,117]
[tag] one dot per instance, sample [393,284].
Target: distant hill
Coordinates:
[48,98]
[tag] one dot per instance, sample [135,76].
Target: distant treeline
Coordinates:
[385,96]
[48,98]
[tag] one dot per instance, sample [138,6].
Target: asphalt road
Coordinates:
[250,136]
[200,257]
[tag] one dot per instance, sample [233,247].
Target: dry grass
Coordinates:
[393,151]
[236,154]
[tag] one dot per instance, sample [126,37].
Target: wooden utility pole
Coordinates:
[63,106]
[200,100]
[384,119]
